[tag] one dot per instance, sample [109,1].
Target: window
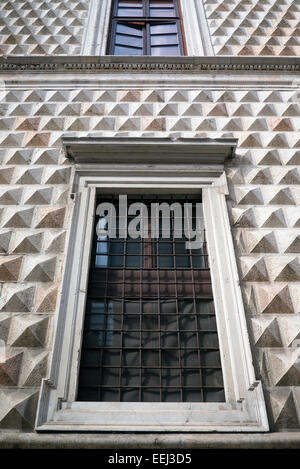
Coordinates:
[150,331]
[148,169]
[184,18]
[145,27]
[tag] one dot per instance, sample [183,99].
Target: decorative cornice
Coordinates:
[149,150]
[141,64]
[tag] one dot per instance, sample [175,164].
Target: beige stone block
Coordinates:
[253,269]
[39,269]
[282,406]
[5,237]
[11,196]
[260,241]
[50,217]
[10,366]
[266,332]
[244,218]
[17,298]
[28,331]
[18,218]
[25,243]
[284,268]
[10,268]
[274,299]
[283,367]
[5,320]
[46,299]
[290,330]
[34,367]
[17,409]
[41,196]
[6,175]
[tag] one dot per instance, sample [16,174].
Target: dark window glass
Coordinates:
[159,39]
[150,332]
[130,8]
[133,41]
[129,30]
[120,50]
[145,27]
[167,28]
[165,50]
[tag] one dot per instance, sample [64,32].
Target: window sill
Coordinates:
[283,440]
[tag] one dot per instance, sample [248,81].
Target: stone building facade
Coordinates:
[245,86]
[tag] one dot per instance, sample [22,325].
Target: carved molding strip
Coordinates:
[62,64]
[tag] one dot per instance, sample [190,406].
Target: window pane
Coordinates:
[130,377]
[130,12]
[131,322]
[102,247]
[163,28]
[180,248]
[101,261]
[165,247]
[170,377]
[170,358]
[213,395]
[150,358]
[129,41]
[116,247]
[162,12]
[150,307]
[166,262]
[130,357]
[97,307]
[162,8]
[198,262]
[165,50]
[150,377]
[164,39]
[119,50]
[130,30]
[130,395]
[171,395]
[132,247]
[161,3]
[110,376]
[130,8]
[109,394]
[183,262]
[133,261]
[130,3]
[131,307]
[115,261]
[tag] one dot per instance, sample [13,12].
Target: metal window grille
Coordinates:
[150,332]
[146,27]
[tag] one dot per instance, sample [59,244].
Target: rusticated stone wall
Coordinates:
[263,206]
[42,27]
[254,27]
[237,27]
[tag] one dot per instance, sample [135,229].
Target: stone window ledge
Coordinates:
[281,440]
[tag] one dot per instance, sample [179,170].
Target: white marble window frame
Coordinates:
[196,30]
[159,166]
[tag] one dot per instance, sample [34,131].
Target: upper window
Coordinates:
[146,27]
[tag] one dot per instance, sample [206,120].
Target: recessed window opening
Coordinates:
[150,331]
[146,27]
